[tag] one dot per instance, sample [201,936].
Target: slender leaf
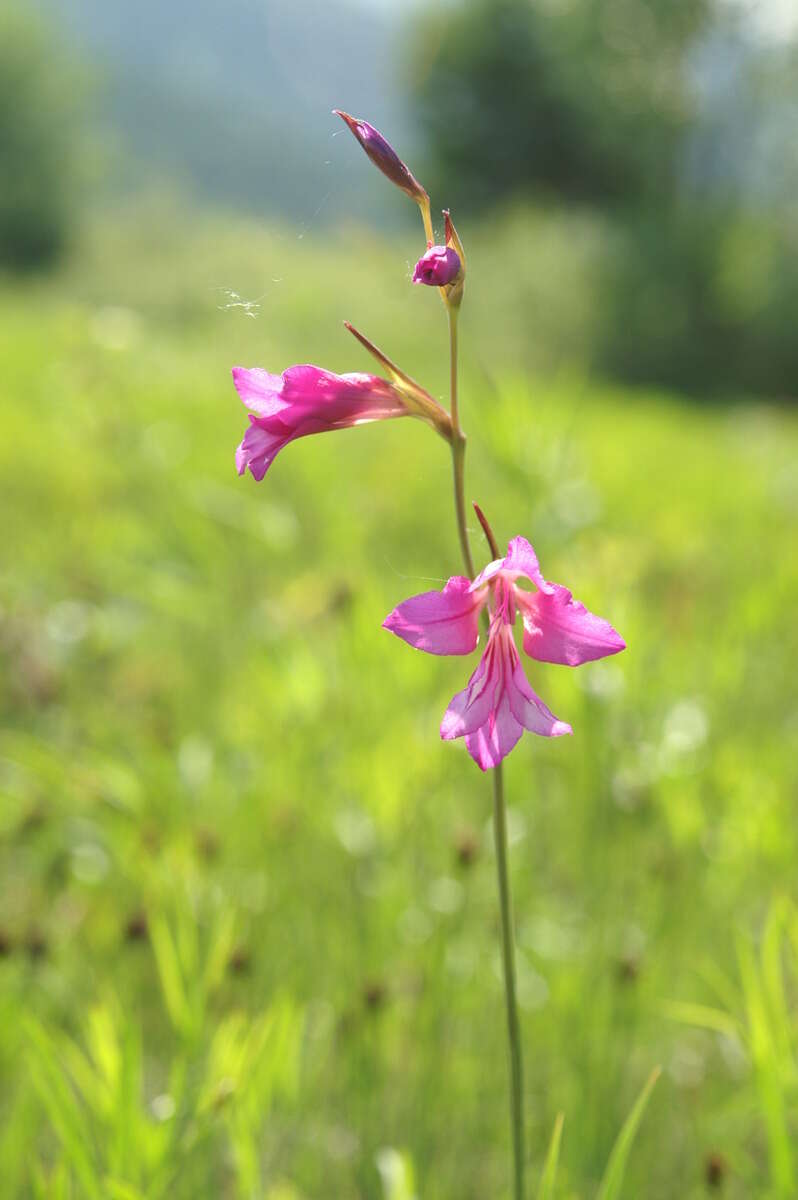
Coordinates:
[610,1186]
[549,1176]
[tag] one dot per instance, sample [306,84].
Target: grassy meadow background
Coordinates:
[248,912]
[249,939]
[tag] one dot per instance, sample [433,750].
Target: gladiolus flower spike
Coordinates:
[492,712]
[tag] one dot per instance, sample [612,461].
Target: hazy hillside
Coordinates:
[232,97]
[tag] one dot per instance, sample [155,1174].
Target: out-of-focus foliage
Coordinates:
[702,298]
[38,142]
[754,1011]
[587,100]
[675,124]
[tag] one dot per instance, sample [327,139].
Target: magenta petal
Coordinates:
[559,629]
[522,560]
[259,390]
[259,448]
[494,740]
[470,709]
[498,704]
[444,622]
[487,573]
[519,560]
[305,400]
[529,709]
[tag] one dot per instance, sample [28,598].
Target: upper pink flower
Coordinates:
[437,267]
[305,400]
[498,703]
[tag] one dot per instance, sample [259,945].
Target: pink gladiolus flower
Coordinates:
[492,712]
[437,267]
[306,400]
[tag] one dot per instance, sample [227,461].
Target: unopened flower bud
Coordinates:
[437,267]
[383,155]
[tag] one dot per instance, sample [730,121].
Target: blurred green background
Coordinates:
[248,920]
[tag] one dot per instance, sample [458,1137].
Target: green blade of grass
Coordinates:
[549,1176]
[768,1073]
[610,1186]
[170,975]
[118,1189]
[703,1016]
[62,1107]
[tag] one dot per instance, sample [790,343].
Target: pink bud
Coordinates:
[437,267]
[383,155]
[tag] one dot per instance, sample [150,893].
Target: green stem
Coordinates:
[459,469]
[451,313]
[508,957]
[499,809]
[458,449]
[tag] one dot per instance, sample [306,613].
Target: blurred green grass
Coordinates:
[224,797]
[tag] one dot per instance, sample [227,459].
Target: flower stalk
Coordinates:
[458,447]
[511,1002]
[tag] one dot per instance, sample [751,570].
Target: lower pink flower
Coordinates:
[498,704]
[304,400]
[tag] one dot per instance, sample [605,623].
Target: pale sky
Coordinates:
[772,19]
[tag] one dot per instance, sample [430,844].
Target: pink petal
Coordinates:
[522,560]
[519,560]
[259,448]
[444,622]
[305,400]
[528,708]
[487,573]
[498,704]
[494,740]
[312,387]
[259,390]
[558,629]
[305,390]
[472,708]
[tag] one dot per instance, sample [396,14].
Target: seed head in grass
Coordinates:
[492,712]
